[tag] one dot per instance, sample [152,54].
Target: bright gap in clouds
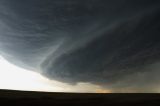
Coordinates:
[13,77]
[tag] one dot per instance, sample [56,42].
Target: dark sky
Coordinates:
[112,43]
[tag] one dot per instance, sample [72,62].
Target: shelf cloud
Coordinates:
[111,43]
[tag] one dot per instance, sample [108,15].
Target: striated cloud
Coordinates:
[115,44]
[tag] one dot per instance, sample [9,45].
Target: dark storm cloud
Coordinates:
[110,43]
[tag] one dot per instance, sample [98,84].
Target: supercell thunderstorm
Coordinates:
[112,43]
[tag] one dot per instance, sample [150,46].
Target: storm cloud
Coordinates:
[112,43]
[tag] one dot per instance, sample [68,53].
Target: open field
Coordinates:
[29,98]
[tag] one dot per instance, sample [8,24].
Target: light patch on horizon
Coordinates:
[12,77]
[16,78]
[103,91]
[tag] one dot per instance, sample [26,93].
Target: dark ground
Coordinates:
[27,98]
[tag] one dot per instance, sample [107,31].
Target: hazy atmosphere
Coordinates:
[81,45]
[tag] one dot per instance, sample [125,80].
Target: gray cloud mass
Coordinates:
[112,43]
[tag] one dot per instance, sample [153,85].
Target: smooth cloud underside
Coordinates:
[115,44]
